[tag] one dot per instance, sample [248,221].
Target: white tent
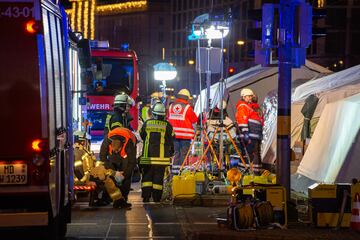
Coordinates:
[333,154]
[263,80]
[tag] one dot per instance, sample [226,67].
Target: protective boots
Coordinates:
[121,203]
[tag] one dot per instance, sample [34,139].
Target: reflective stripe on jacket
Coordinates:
[249,120]
[182,117]
[158,142]
[124,133]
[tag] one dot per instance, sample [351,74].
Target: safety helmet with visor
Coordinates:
[158,109]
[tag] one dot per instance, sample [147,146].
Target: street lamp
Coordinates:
[211,26]
[240,42]
[164,72]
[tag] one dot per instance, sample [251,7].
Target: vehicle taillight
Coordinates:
[37,145]
[32,26]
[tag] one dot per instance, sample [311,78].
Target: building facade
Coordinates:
[147,32]
[339,49]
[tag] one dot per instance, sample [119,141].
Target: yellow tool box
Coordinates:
[325,204]
[188,184]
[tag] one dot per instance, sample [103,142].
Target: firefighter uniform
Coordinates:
[120,117]
[182,117]
[157,135]
[250,123]
[125,160]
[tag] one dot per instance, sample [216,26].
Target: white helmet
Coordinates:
[246,92]
[158,109]
[121,99]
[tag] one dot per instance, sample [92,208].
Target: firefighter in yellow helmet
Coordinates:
[155,97]
[157,134]
[182,117]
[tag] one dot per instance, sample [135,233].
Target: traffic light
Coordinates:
[266,35]
[231,71]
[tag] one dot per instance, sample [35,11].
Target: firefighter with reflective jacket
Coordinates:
[157,134]
[182,117]
[121,156]
[250,125]
[120,117]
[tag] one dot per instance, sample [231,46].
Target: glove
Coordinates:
[119,177]
[246,137]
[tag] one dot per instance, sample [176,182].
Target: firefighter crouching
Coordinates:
[157,135]
[120,157]
[89,172]
[83,160]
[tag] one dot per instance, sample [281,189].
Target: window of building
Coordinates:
[336,17]
[174,22]
[355,19]
[161,20]
[161,36]
[335,43]
[178,21]
[355,46]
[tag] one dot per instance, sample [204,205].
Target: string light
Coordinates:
[73,15]
[92,19]
[86,18]
[79,16]
[126,7]
[83,15]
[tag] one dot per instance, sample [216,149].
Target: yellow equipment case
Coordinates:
[325,203]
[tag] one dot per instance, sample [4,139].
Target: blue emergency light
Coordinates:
[99,44]
[124,47]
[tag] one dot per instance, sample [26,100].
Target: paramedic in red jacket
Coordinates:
[182,117]
[250,124]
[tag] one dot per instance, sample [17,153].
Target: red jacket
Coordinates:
[182,117]
[249,119]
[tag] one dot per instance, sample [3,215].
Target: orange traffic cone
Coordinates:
[355,214]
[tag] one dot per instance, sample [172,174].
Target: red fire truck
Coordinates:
[114,70]
[35,116]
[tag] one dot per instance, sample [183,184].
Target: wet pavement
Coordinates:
[143,221]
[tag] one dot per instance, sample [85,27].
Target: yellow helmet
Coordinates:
[156,95]
[184,93]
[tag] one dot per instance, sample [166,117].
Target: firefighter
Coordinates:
[155,97]
[250,126]
[121,156]
[182,117]
[157,134]
[107,182]
[120,117]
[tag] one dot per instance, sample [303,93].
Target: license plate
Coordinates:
[13,173]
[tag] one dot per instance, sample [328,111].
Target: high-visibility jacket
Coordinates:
[124,133]
[158,142]
[249,120]
[125,160]
[182,117]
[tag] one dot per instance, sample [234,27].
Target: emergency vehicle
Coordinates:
[35,116]
[114,70]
